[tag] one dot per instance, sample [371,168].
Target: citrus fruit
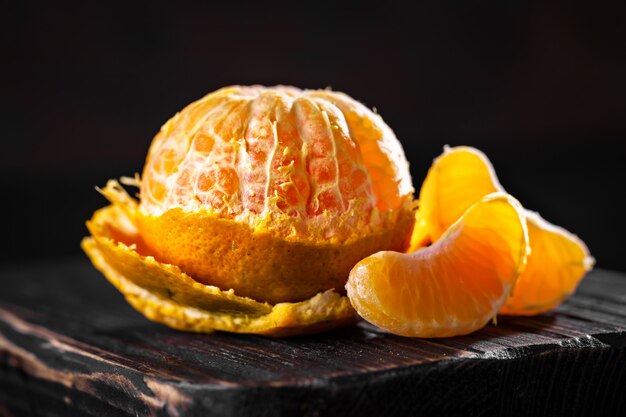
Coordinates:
[272,193]
[558,260]
[452,287]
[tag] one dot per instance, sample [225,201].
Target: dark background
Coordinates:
[541,88]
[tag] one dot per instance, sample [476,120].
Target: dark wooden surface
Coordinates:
[70,345]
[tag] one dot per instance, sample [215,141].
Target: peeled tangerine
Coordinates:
[255,203]
[558,260]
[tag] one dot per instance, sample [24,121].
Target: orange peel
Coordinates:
[163,293]
[258,263]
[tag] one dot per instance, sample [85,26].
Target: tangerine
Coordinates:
[269,194]
[274,192]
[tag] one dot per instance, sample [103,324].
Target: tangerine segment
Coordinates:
[453,287]
[558,260]
[163,293]
[420,236]
[458,178]
[556,265]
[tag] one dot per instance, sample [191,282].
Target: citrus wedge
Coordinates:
[457,179]
[420,236]
[558,261]
[453,287]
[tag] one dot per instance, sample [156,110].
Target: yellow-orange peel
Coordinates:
[165,294]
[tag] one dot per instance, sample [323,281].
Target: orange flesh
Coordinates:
[558,260]
[452,287]
[246,153]
[556,265]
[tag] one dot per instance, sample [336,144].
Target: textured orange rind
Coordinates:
[257,263]
[165,294]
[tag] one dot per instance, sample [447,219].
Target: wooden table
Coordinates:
[70,345]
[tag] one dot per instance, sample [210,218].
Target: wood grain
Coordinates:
[70,345]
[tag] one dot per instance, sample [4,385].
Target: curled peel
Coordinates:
[165,294]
